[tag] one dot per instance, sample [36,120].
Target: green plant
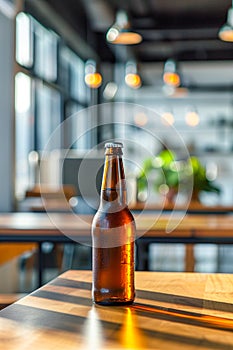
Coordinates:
[168,174]
[201,182]
[166,171]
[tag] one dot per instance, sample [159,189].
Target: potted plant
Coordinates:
[170,173]
[166,175]
[201,182]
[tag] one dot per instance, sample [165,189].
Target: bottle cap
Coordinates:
[113,145]
[113,148]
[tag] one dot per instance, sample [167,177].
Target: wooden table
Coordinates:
[172,311]
[176,228]
[61,227]
[151,228]
[193,208]
[39,228]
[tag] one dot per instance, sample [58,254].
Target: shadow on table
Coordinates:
[132,329]
[184,300]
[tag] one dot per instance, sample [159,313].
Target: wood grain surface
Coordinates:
[151,227]
[172,311]
[150,224]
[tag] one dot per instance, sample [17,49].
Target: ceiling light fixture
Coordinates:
[226,31]
[132,78]
[93,79]
[120,32]
[140,119]
[168,118]
[171,76]
[192,117]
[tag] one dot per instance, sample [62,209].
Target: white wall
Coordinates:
[6,113]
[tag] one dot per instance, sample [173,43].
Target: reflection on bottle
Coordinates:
[93,337]
[131,336]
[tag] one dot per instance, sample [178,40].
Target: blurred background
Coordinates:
[172,59]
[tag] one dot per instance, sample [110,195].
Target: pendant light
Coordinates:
[120,32]
[171,76]
[226,31]
[93,79]
[132,78]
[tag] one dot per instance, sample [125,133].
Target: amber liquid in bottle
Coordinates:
[113,234]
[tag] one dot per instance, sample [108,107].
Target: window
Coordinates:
[72,75]
[46,44]
[24,131]
[49,88]
[48,116]
[24,40]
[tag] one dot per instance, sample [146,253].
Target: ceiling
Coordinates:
[182,29]
[186,30]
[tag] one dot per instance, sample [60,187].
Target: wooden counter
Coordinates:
[34,227]
[178,311]
[192,208]
[151,228]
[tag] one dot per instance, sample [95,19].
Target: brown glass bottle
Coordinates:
[113,234]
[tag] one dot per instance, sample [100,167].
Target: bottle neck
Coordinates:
[113,190]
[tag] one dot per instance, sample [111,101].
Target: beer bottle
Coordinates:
[113,234]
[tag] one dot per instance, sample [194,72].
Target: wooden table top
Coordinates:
[192,207]
[39,225]
[171,311]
